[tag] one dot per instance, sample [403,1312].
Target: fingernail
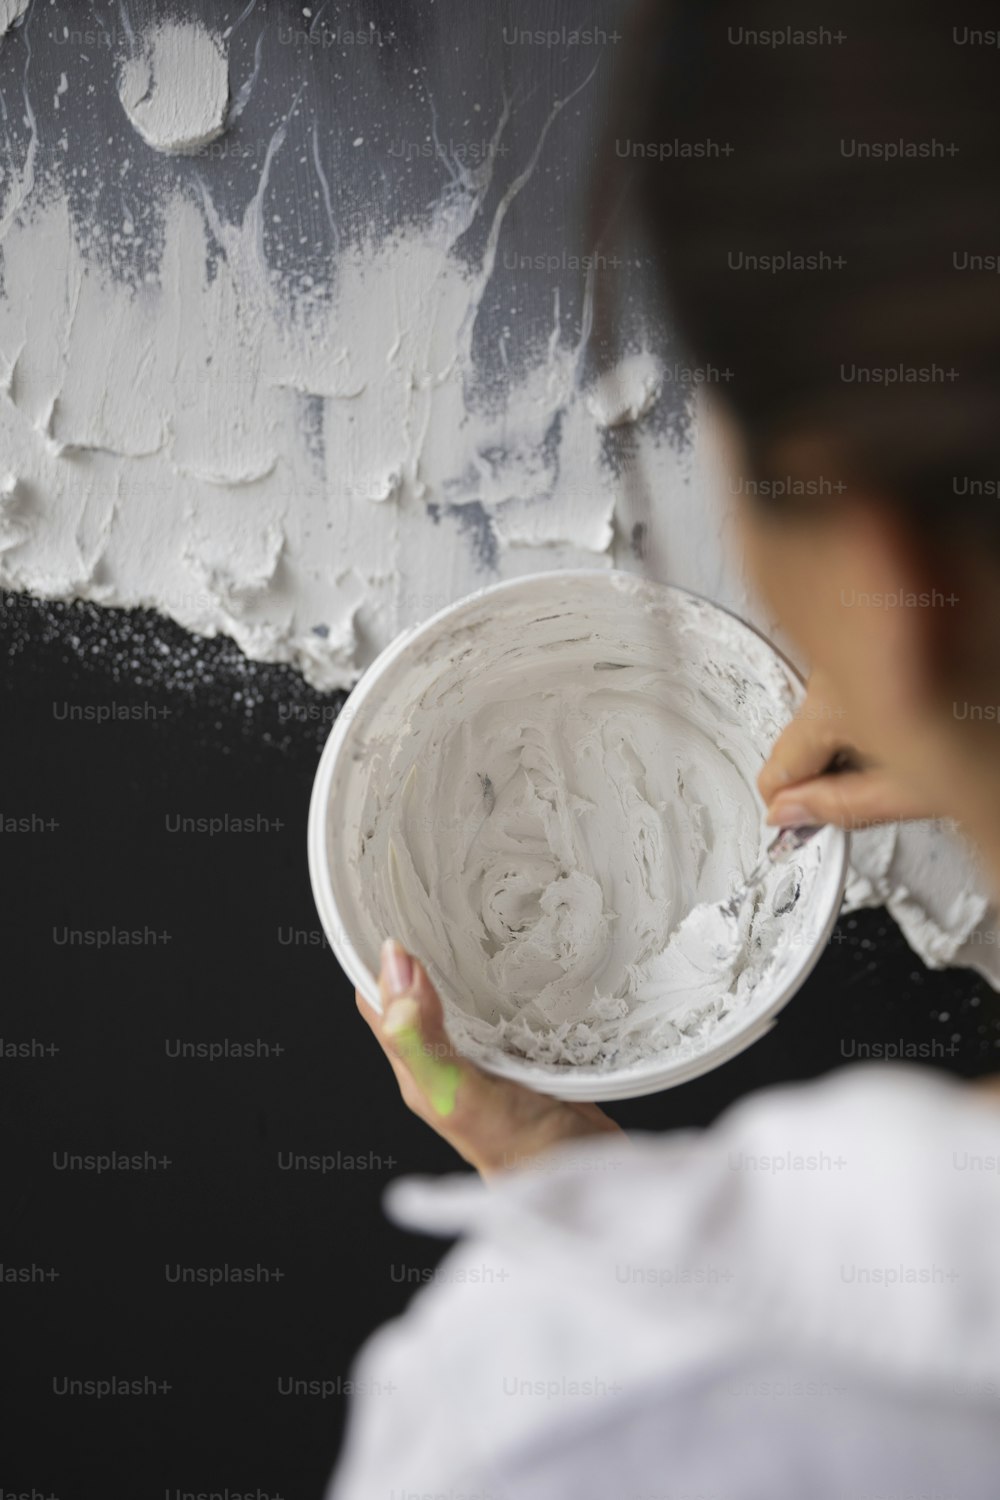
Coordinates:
[791,815]
[397,967]
[401,1015]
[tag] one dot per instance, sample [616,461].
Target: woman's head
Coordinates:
[820,186]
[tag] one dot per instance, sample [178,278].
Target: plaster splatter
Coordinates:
[11,12]
[175,90]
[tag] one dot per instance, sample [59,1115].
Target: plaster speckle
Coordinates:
[11,12]
[175,90]
[626,393]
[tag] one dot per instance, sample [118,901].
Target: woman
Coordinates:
[805,1299]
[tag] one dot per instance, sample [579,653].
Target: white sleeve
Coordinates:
[839,1234]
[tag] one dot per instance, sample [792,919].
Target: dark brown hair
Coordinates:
[872,150]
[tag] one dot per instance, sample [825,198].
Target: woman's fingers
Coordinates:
[850,799]
[469,1108]
[806,747]
[491,1122]
[801,791]
[410,1031]
[374,1021]
[413,1033]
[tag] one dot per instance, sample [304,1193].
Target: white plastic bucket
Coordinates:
[621,618]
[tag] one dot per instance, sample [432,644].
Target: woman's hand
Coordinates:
[799,788]
[492,1123]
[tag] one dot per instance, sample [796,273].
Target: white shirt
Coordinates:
[802,1301]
